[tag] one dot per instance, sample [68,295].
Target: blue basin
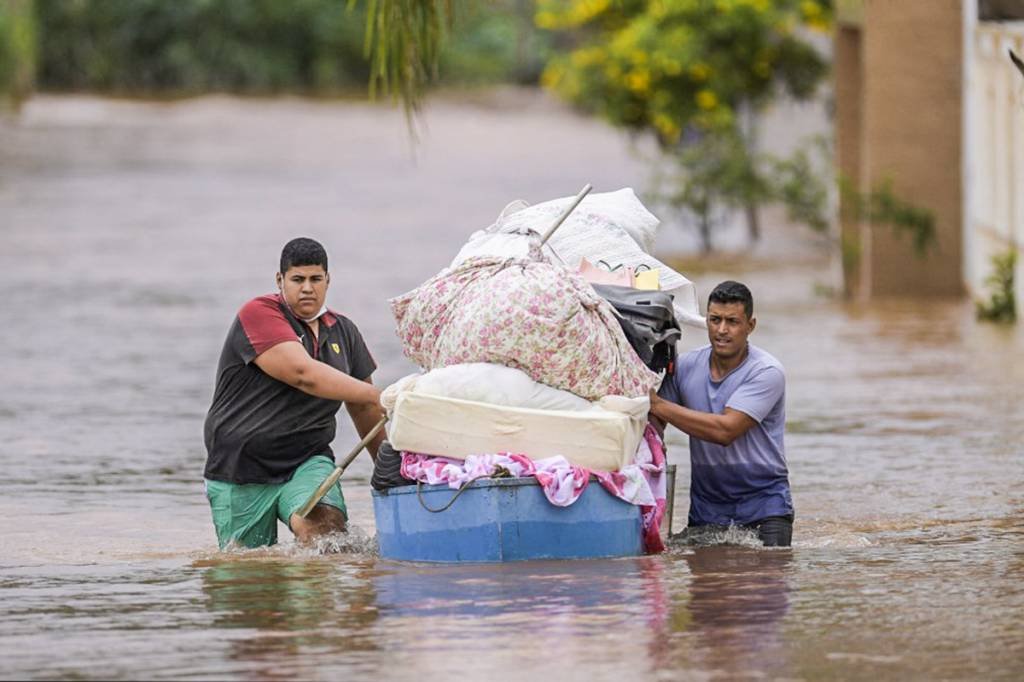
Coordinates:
[503,519]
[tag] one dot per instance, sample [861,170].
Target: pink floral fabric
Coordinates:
[644,483]
[529,314]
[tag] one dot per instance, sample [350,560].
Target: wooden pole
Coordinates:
[670,508]
[565,214]
[333,477]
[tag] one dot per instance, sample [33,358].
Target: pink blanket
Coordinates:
[529,314]
[641,483]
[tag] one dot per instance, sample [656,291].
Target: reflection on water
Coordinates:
[133,232]
[290,606]
[737,598]
[548,588]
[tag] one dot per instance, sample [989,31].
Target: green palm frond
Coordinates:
[403,42]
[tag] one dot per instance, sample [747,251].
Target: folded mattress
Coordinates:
[599,439]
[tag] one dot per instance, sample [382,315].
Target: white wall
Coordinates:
[994,164]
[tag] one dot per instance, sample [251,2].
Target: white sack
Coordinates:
[612,226]
[499,385]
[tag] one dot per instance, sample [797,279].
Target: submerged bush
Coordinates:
[1001,305]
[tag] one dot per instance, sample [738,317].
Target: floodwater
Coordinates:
[131,233]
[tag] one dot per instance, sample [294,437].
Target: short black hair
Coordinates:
[733,292]
[302,251]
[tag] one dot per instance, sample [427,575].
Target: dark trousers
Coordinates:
[774,531]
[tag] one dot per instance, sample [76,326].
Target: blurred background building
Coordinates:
[927,99]
[928,138]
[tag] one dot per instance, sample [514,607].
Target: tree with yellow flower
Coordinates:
[693,73]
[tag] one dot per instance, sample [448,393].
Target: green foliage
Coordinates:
[268,46]
[667,66]
[802,186]
[413,42]
[1002,305]
[495,42]
[713,171]
[187,46]
[403,40]
[719,170]
[801,183]
[17,51]
[881,206]
[850,251]
[692,73]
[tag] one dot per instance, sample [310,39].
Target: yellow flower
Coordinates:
[584,10]
[821,24]
[552,76]
[667,127]
[638,81]
[700,72]
[546,20]
[785,27]
[706,100]
[587,57]
[810,9]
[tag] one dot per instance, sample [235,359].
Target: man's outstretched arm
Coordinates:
[722,429]
[289,363]
[364,417]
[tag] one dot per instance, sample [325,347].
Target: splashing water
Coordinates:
[710,536]
[354,541]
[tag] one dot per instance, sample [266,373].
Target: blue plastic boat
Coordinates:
[503,519]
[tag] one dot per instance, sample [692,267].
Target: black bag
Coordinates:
[649,322]
[387,469]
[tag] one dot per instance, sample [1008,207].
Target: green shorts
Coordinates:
[247,515]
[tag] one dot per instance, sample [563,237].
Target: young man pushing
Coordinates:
[287,366]
[730,398]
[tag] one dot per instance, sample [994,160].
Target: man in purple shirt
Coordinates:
[730,398]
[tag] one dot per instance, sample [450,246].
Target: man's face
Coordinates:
[728,329]
[304,288]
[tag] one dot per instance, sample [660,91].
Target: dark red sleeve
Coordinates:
[263,327]
[361,363]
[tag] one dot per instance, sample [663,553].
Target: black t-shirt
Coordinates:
[259,429]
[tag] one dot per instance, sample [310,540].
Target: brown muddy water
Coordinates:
[132,232]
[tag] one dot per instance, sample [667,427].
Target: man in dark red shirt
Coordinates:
[288,365]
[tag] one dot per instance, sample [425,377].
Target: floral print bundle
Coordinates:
[525,313]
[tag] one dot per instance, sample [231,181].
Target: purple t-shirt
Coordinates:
[747,480]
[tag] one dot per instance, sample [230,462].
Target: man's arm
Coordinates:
[722,429]
[364,417]
[289,363]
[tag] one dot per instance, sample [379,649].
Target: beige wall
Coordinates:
[849,87]
[907,127]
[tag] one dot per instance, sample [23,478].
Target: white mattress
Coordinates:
[599,439]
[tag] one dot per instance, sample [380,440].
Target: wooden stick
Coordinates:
[565,214]
[670,470]
[333,477]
